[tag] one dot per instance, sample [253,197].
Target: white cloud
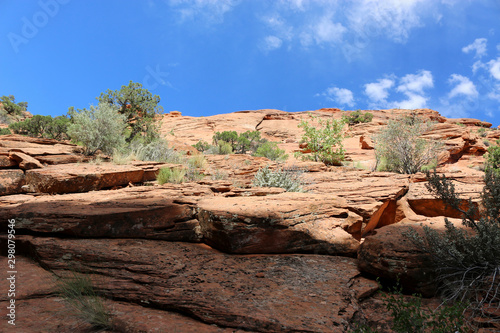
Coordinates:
[478,46]
[495,68]
[416,83]
[379,91]
[212,10]
[413,101]
[464,86]
[413,86]
[271,43]
[340,95]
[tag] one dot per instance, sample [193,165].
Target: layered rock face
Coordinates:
[223,255]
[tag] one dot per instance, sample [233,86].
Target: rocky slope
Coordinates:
[221,255]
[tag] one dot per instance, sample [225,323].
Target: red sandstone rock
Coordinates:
[25,162]
[7,162]
[11,181]
[283,223]
[142,212]
[388,254]
[69,178]
[309,293]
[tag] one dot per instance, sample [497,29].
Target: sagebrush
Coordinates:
[400,147]
[286,178]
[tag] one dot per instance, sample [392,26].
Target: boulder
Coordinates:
[24,161]
[283,223]
[388,254]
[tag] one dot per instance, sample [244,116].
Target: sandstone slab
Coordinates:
[70,178]
[305,293]
[283,223]
[137,212]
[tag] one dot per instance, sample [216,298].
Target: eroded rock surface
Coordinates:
[264,293]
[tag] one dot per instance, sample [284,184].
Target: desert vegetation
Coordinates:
[400,147]
[286,178]
[324,141]
[230,142]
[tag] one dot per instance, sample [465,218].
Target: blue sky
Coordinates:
[205,57]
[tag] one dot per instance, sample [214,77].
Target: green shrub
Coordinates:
[78,292]
[197,161]
[221,148]
[11,107]
[401,147]
[466,262]
[201,146]
[178,175]
[493,158]
[43,126]
[239,143]
[325,142]
[271,151]
[288,179]
[5,131]
[139,108]
[100,127]
[168,175]
[357,117]
[411,316]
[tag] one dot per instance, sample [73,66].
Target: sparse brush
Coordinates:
[120,157]
[157,150]
[219,174]
[78,292]
[288,179]
[197,161]
[168,175]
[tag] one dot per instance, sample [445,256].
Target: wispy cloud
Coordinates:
[210,10]
[479,47]
[270,43]
[342,96]
[349,26]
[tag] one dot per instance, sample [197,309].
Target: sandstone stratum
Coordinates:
[223,255]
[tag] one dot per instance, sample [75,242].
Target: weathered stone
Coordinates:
[389,254]
[70,178]
[11,181]
[366,142]
[309,293]
[426,204]
[25,162]
[283,223]
[141,212]
[7,162]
